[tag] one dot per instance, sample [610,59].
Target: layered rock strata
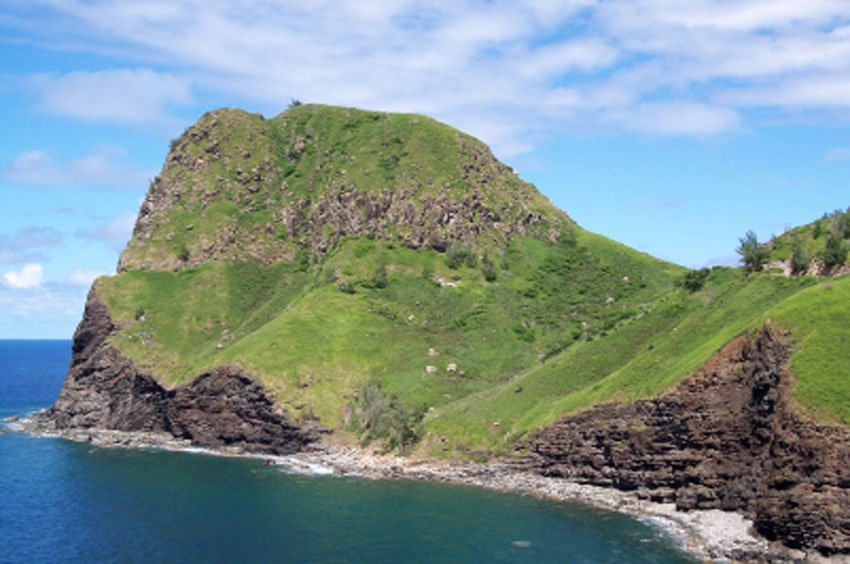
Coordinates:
[726,438]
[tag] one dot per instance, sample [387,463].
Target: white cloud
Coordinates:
[84,276]
[676,118]
[658,66]
[50,310]
[104,167]
[29,276]
[134,96]
[115,233]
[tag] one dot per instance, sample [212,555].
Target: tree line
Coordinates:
[836,227]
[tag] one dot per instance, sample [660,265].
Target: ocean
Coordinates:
[62,501]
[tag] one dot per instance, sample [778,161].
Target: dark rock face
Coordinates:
[224,407]
[420,222]
[726,438]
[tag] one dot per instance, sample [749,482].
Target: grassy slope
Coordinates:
[562,327]
[818,319]
[314,345]
[646,356]
[812,236]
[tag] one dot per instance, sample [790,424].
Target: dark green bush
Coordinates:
[488,269]
[694,280]
[376,416]
[835,252]
[799,257]
[380,280]
[753,254]
[459,254]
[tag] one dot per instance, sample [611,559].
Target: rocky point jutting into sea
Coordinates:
[263,239]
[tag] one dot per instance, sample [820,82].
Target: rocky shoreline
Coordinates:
[723,461]
[707,534]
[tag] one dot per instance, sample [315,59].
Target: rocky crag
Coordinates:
[221,408]
[264,189]
[726,438]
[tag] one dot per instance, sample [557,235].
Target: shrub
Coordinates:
[817,230]
[330,275]
[346,287]
[376,416]
[379,280]
[488,269]
[842,224]
[753,254]
[694,280]
[835,252]
[363,248]
[799,257]
[457,254]
[302,259]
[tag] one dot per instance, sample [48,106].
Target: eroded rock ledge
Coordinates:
[726,438]
[224,407]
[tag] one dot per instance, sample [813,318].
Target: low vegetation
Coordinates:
[823,243]
[454,349]
[374,416]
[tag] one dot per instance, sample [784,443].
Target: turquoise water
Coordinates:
[62,501]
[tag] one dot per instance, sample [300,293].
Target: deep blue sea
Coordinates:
[67,502]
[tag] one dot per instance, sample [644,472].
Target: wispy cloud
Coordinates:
[132,96]
[114,233]
[837,154]
[28,243]
[49,310]
[107,167]
[655,66]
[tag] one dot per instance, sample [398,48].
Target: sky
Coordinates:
[674,126]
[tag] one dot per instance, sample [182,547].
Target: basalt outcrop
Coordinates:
[726,438]
[222,407]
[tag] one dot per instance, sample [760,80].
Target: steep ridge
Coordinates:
[726,438]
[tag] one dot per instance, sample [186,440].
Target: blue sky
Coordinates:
[671,126]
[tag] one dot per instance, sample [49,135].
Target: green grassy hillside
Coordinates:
[644,357]
[818,319]
[824,242]
[317,335]
[371,269]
